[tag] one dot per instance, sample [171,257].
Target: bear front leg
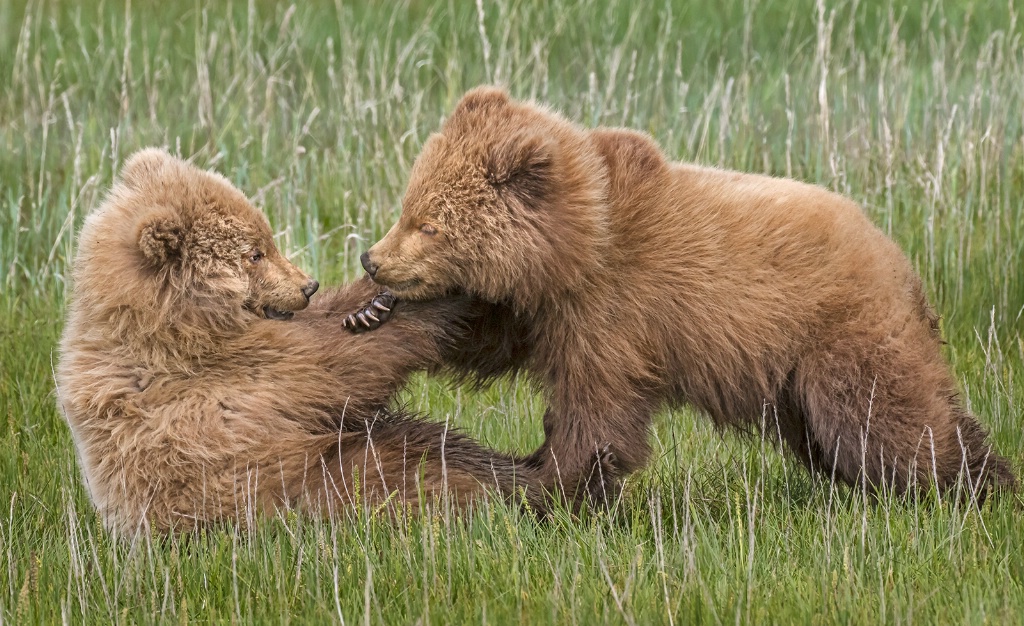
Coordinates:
[587,453]
[595,486]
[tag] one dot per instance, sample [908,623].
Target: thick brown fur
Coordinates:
[624,282]
[188,406]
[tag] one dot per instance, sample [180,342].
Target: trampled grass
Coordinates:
[317,110]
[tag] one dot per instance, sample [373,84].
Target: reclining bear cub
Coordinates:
[192,401]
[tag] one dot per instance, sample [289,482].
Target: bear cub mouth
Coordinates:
[405,284]
[274,314]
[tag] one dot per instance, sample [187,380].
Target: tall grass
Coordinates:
[318,109]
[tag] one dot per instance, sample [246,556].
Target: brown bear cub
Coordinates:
[624,282]
[190,401]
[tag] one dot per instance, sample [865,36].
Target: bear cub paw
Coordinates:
[604,483]
[373,315]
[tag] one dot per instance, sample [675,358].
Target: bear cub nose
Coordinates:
[310,289]
[369,266]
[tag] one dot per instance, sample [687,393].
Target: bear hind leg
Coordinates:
[886,412]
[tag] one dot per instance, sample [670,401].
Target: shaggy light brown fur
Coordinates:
[624,282]
[189,406]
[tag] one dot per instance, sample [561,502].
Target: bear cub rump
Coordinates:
[624,282]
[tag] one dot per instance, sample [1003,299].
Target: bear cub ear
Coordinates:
[480,98]
[161,236]
[144,166]
[523,162]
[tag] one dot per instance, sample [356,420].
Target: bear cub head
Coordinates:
[504,198]
[199,255]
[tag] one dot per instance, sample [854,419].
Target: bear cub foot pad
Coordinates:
[373,315]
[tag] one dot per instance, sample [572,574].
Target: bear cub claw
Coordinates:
[373,315]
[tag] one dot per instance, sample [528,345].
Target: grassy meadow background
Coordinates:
[317,111]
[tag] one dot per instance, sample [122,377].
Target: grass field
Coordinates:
[317,110]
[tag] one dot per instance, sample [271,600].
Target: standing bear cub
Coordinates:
[623,282]
[191,401]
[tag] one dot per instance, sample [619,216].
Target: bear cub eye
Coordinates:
[428,229]
[255,256]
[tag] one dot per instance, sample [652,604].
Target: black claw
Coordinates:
[384,301]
